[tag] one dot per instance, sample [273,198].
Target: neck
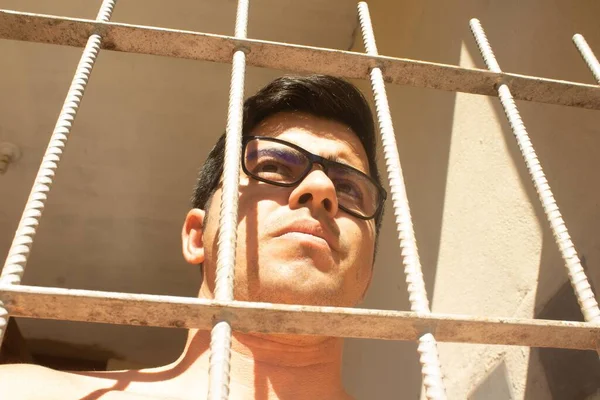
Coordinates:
[272,366]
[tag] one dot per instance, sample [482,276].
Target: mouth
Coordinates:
[307,238]
[308,233]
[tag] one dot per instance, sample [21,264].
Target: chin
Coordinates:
[301,299]
[294,292]
[286,292]
[305,254]
[302,280]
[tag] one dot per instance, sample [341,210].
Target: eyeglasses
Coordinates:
[281,163]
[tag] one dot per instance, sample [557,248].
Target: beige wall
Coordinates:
[114,215]
[484,242]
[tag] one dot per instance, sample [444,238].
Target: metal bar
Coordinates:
[217,48]
[220,340]
[14,267]
[579,281]
[188,312]
[588,55]
[417,294]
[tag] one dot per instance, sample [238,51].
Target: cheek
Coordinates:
[255,218]
[258,203]
[362,240]
[365,259]
[359,239]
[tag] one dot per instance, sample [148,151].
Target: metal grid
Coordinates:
[224,314]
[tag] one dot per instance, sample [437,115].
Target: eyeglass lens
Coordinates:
[278,163]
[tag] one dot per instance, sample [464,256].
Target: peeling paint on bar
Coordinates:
[202,46]
[187,312]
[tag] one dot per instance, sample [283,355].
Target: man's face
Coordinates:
[281,255]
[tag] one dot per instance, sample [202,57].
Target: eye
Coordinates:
[348,189]
[271,169]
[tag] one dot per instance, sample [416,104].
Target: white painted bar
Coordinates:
[220,339]
[18,254]
[588,55]
[417,294]
[579,282]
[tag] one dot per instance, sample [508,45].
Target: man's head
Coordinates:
[303,242]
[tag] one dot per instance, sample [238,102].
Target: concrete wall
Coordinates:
[484,242]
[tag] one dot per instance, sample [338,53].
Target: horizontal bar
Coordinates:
[187,312]
[218,48]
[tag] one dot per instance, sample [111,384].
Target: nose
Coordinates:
[317,192]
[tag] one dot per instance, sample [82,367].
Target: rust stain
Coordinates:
[296,58]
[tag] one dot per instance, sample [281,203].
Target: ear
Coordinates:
[192,239]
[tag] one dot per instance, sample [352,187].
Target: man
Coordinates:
[310,206]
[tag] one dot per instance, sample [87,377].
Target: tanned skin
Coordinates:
[275,263]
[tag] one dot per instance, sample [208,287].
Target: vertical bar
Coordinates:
[588,55]
[427,348]
[220,342]
[14,267]
[579,281]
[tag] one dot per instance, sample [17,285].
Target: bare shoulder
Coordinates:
[34,382]
[28,381]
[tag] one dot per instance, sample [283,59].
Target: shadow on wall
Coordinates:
[495,386]
[423,121]
[567,142]
[571,374]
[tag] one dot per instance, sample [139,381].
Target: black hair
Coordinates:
[319,95]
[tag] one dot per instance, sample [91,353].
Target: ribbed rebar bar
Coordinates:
[588,55]
[579,281]
[139,39]
[417,294]
[19,252]
[220,340]
[193,312]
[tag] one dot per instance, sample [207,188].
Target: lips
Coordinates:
[312,229]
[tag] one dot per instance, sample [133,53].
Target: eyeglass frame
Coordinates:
[313,159]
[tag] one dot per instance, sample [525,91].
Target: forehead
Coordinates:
[320,136]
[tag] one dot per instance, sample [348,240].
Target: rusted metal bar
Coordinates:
[202,46]
[417,294]
[187,312]
[588,55]
[220,339]
[19,251]
[579,282]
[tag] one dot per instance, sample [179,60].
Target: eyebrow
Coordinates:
[292,157]
[286,155]
[343,161]
[336,159]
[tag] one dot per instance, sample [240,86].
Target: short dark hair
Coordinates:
[319,95]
